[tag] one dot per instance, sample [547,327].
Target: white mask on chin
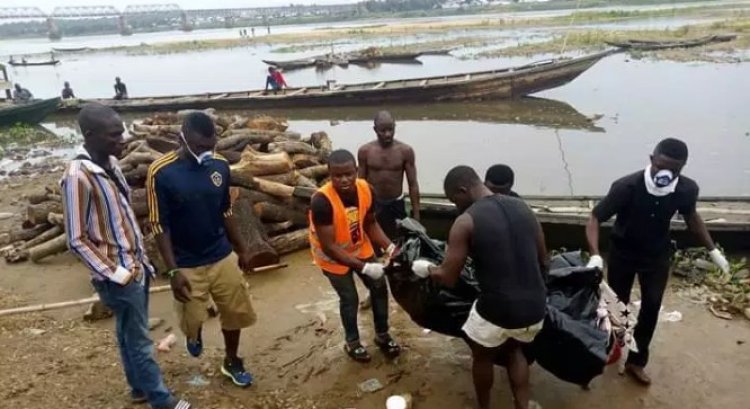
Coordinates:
[661,184]
[203,158]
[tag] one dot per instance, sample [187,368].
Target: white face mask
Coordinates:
[203,158]
[662,183]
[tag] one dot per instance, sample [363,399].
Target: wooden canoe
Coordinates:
[646,45]
[504,83]
[29,113]
[391,58]
[33,64]
[70,50]
[564,219]
[292,64]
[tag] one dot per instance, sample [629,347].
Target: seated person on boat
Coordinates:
[67,92]
[121,91]
[499,179]
[21,95]
[275,79]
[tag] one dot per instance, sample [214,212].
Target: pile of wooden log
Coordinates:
[274,172]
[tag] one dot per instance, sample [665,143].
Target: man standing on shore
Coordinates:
[645,202]
[506,242]
[383,163]
[343,237]
[191,214]
[102,231]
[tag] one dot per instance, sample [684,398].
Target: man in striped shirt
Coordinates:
[102,231]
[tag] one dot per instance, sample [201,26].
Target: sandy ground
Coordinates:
[295,351]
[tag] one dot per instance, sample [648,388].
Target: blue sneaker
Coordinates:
[195,348]
[235,370]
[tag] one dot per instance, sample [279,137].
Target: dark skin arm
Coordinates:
[541,249]
[180,285]
[592,235]
[459,240]
[696,226]
[233,233]
[410,168]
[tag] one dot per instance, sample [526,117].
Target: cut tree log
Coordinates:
[322,142]
[162,144]
[39,197]
[56,219]
[315,172]
[254,163]
[290,242]
[238,140]
[136,158]
[288,178]
[273,188]
[292,147]
[48,234]
[158,129]
[137,176]
[13,236]
[139,202]
[274,229]
[303,160]
[271,213]
[305,182]
[54,246]
[251,229]
[231,156]
[37,213]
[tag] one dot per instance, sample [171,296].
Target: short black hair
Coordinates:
[460,176]
[341,157]
[200,123]
[672,148]
[500,175]
[383,116]
[91,116]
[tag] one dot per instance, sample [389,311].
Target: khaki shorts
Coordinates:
[490,335]
[223,282]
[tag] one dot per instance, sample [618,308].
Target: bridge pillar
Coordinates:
[228,21]
[186,24]
[53,32]
[124,27]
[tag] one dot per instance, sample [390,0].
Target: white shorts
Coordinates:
[490,335]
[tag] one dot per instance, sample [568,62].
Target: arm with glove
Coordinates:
[697,227]
[449,271]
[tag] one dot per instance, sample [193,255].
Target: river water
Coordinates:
[551,143]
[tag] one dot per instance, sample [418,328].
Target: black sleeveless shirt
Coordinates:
[512,291]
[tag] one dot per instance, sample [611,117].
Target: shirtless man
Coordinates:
[383,163]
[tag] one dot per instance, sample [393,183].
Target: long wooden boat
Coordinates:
[392,58]
[292,64]
[33,64]
[646,45]
[564,219]
[503,83]
[30,113]
[70,50]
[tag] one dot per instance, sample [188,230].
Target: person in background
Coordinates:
[121,91]
[383,163]
[499,179]
[275,79]
[504,239]
[191,214]
[21,95]
[344,234]
[67,92]
[644,203]
[102,231]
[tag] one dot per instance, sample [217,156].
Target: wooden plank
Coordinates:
[218,96]
[379,85]
[423,83]
[297,92]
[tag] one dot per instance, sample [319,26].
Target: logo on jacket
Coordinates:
[216,178]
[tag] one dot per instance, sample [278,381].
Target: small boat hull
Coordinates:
[30,113]
[33,64]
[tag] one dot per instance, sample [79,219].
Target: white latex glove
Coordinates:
[421,268]
[596,261]
[718,258]
[373,270]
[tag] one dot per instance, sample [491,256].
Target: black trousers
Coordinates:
[387,213]
[653,275]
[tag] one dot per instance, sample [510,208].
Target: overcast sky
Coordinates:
[48,5]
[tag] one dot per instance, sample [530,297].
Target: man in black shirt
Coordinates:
[499,179]
[645,202]
[506,242]
[67,92]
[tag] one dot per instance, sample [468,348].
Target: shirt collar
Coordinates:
[90,165]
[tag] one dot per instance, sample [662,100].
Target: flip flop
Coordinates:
[388,346]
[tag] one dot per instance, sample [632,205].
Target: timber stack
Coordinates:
[274,172]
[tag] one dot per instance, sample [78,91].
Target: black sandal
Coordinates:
[357,352]
[388,346]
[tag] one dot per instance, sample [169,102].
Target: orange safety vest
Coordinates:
[343,238]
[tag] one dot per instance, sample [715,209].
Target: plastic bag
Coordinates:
[571,346]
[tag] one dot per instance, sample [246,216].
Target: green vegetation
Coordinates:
[22,135]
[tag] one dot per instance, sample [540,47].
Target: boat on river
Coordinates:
[29,113]
[32,63]
[564,219]
[502,83]
[646,45]
[70,49]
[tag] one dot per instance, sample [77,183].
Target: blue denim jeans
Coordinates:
[130,306]
[349,302]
